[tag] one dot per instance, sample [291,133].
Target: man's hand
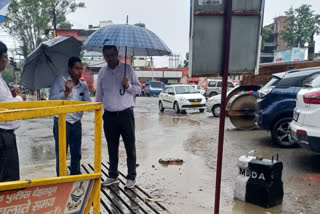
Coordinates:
[13,91]
[68,85]
[125,82]
[18,92]
[24,97]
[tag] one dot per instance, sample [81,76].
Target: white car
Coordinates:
[305,127]
[213,105]
[181,98]
[200,89]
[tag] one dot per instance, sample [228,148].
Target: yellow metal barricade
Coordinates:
[33,196]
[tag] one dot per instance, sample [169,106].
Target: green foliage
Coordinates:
[8,76]
[266,36]
[186,61]
[27,20]
[300,27]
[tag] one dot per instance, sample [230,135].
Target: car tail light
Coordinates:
[302,132]
[312,98]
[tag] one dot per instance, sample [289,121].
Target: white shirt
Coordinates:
[6,96]
[109,85]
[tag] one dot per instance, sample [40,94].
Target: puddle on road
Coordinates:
[240,207]
[163,120]
[42,152]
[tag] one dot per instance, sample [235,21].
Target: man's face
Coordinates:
[76,70]
[3,61]
[111,57]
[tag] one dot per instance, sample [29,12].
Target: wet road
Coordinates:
[193,137]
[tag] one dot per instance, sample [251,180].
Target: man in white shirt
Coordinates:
[9,159]
[118,114]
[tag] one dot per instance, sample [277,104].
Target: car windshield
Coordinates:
[273,82]
[185,89]
[155,84]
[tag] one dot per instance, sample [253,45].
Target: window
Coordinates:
[219,84]
[212,84]
[165,90]
[312,81]
[185,90]
[209,2]
[156,84]
[170,90]
[316,82]
[230,85]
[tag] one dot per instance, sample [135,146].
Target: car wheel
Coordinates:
[161,109]
[280,132]
[216,110]
[176,108]
[201,110]
[213,94]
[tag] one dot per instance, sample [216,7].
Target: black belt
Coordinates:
[7,130]
[117,113]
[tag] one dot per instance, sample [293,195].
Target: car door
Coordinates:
[171,97]
[219,87]
[164,97]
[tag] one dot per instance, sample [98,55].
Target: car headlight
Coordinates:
[183,99]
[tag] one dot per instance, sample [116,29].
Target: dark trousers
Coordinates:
[116,124]
[9,159]
[74,134]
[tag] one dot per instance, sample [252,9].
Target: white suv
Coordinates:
[214,87]
[181,98]
[305,127]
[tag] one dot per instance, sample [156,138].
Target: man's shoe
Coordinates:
[110,181]
[130,184]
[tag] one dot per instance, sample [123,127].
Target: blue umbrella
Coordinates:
[130,41]
[138,40]
[4,4]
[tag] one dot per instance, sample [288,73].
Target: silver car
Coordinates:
[214,87]
[213,105]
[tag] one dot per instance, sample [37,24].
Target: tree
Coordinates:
[186,61]
[8,76]
[27,20]
[266,36]
[300,26]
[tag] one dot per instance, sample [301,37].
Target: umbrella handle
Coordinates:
[123,90]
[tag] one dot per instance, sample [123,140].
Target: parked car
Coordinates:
[214,87]
[181,98]
[153,88]
[213,105]
[200,89]
[277,100]
[305,127]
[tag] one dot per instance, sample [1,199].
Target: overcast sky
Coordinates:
[169,19]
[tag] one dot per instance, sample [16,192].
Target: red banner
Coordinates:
[65,198]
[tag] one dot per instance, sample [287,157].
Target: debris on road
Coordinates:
[171,161]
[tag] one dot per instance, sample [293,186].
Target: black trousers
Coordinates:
[116,124]
[9,159]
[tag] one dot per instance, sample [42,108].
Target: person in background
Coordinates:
[9,158]
[70,87]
